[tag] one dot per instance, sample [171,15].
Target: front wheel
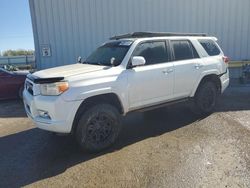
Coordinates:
[98,127]
[206,98]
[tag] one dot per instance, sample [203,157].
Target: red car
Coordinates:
[11,83]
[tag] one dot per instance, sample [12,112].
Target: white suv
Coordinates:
[138,71]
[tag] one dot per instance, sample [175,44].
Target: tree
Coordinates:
[19,52]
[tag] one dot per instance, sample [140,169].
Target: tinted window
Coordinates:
[210,47]
[153,52]
[184,50]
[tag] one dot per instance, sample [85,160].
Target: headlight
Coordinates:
[56,88]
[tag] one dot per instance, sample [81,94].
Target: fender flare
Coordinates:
[203,74]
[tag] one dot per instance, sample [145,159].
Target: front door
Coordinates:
[152,83]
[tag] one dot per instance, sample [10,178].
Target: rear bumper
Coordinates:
[224,81]
[61,112]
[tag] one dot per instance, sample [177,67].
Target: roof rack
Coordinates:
[153,34]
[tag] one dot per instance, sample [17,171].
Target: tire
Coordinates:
[205,99]
[98,127]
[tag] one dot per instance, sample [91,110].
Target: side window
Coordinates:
[153,52]
[183,50]
[210,47]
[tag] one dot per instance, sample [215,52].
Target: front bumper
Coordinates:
[61,112]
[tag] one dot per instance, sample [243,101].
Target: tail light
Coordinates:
[226,59]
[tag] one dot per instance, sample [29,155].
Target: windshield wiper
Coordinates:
[96,63]
[85,62]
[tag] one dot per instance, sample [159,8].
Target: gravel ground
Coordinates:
[170,147]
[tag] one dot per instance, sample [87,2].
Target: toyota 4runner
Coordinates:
[131,72]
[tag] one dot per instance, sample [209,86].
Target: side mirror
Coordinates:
[79,59]
[138,61]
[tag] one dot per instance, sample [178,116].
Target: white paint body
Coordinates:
[136,88]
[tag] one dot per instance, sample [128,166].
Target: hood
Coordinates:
[68,70]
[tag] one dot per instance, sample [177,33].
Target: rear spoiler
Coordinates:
[38,80]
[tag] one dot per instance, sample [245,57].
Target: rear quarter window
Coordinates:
[210,47]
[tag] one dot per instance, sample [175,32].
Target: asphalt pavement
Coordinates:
[168,147]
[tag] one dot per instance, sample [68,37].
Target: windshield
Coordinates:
[110,54]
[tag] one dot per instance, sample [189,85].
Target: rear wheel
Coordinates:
[98,127]
[206,98]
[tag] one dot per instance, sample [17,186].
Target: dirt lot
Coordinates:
[169,148]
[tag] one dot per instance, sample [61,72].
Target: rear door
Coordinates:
[188,67]
[152,83]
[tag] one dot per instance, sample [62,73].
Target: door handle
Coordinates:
[167,71]
[198,66]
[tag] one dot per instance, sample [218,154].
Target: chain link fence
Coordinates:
[22,62]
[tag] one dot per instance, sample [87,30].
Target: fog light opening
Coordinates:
[44,114]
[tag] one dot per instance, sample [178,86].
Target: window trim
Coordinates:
[167,48]
[190,46]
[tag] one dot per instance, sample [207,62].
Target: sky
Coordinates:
[15,25]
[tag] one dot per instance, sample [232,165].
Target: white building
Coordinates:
[66,29]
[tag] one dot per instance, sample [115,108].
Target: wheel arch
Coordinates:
[109,98]
[212,78]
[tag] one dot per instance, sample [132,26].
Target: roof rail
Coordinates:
[154,34]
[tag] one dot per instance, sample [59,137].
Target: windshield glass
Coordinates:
[110,54]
